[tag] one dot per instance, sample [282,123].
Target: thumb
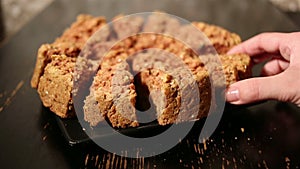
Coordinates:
[256,89]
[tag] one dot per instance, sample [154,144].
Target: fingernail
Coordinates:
[232,94]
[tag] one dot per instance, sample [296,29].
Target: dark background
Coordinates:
[264,135]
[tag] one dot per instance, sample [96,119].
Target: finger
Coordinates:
[256,89]
[274,66]
[264,57]
[264,43]
[295,51]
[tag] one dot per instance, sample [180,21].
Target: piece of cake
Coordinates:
[172,85]
[55,87]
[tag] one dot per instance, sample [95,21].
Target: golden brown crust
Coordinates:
[69,44]
[221,39]
[45,54]
[81,30]
[241,62]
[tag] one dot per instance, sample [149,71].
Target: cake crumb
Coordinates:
[44,138]
[201,160]
[265,164]
[46,125]
[86,159]
[288,162]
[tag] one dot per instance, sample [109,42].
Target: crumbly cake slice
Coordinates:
[241,62]
[69,46]
[91,110]
[234,68]
[56,84]
[115,94]
[201,76]
[114,91]
[163,93]
[173,85]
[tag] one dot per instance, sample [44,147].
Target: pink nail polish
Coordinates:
[232,95]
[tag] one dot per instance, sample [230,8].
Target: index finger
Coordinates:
[272,43]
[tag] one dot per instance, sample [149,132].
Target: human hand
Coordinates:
[281,74]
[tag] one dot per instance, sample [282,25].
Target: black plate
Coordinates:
[76,134]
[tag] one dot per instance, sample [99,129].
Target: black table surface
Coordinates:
[264,135]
